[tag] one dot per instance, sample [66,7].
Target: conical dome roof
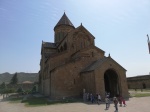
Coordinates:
[64,21]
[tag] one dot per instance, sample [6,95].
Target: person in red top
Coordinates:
[124,102]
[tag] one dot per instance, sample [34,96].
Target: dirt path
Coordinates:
[133,105]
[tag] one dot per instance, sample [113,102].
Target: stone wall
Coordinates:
[139,82]
[88,79]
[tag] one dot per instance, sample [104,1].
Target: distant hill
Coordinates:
[6,77]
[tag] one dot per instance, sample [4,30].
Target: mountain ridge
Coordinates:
[22,76]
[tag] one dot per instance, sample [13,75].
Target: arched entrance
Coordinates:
[111,82]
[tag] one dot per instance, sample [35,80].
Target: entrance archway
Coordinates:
[111,82]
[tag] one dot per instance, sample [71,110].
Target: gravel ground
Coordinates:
[133,105]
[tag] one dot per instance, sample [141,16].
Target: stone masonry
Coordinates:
[73,63]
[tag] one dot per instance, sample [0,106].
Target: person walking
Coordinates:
[107,103]
[98,98]
[84,97]
[87,97]
[124,102]
[108,94]
[116,104]
[93,99]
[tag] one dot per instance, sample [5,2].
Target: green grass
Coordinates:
[143,90]
[35,102]
[147,90]
[40,101]
[139,92]
[141,95]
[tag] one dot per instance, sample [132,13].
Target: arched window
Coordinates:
[92,54]
[61,49]
[65,46]
[88,43]
[56,37]
[81,45]
[61,36]
[74,81]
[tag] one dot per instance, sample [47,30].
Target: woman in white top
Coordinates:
[98,98]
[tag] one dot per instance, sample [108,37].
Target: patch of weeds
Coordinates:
[141,95]
[15,100]
[43,101]
[147,90]
[35,102]
[64,101]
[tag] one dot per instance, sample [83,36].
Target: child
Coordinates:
[123,101]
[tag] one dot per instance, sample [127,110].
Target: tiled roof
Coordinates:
[47,54]
[94,65]
[48,44]
[98,63]
[27,82]
[64,21]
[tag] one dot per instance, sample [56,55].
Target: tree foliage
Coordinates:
[34,90]
[3,86]
[14,79]
[20,90]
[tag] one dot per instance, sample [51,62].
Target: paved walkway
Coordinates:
[133,105]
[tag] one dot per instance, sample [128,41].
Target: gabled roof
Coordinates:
[64,21]
[87,48]
[98,63]
[81,27]
[48,45]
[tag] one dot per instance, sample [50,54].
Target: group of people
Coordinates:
[116,100]
[91,97]
[97,98]
[121,101]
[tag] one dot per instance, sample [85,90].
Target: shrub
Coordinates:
[20,90]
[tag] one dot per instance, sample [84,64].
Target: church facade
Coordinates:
[72,64]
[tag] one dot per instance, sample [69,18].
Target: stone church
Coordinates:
[72,64]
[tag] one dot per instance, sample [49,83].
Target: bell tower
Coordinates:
[62,28]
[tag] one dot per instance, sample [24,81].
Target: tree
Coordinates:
[14,79]
[3,86]
[34,89]
[20,90]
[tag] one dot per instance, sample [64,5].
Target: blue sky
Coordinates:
[119,26]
